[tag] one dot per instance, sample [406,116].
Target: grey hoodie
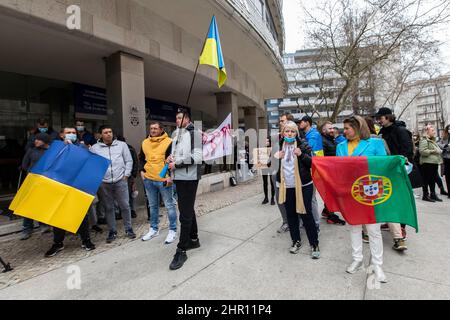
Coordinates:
[188,154]
[120,157]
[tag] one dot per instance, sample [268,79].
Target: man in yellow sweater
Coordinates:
[152,159]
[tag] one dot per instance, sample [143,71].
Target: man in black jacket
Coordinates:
[397,137]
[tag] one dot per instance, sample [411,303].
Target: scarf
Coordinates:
[300,206]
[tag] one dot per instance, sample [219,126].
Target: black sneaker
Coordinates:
[272,202]
[96,228]
[427,198]
[54,250]
[265,201]
[179,259]
[88,245]
[131,234]
[112,235]
[434,197]
[193,244]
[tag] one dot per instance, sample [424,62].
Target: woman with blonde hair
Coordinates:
[430,159]
[359,143]
[296,187]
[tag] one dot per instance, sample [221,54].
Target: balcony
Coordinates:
[258,21]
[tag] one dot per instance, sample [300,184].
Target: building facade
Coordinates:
[426,102]
[126,62]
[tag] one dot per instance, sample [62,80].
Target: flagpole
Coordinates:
[190,91]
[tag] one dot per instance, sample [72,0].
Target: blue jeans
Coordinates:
[152,190]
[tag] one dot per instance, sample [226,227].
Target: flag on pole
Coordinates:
[61,186]
[212,53]
[366,190]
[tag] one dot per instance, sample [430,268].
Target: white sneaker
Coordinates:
[379,274]
[150,235]
[171,237]
[355,266]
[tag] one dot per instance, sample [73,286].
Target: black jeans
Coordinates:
[83,231]
[447,173]
[308,219]
[266,187]
[430,175]
[187,191]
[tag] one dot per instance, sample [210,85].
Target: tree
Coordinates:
[366,41]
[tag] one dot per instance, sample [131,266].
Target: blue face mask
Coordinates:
[72,137]
[43,130]
[289,140]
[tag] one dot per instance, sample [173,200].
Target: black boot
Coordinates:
[178,260]
[434,197]
[427,198]
[265,201]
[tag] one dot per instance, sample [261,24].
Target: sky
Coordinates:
[295,30]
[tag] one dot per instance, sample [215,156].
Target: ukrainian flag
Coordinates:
[212,53]
[61,186]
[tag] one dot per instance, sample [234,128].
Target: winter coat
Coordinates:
[154,152]
[304,161]
[429,151]
[399,140]
[120,157]
[188,154]
[329,146]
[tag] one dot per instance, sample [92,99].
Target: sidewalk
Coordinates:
[242,257]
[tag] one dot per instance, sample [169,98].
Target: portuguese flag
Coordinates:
[366,190]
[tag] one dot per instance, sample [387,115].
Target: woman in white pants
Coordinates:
[359,143]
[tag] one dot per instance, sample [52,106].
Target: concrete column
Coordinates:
[125,90]
[226,104]
[251,119]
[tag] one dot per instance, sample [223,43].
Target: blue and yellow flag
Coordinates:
[212,53]
[61,186]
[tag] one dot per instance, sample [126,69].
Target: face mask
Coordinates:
[72,137]
[43,130]
[289,140]
[80,128]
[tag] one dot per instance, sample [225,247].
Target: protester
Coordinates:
[359,143]
[41,127]
[430,159]
[115,181]
[329,150]
[152,158]
[397,137]
[266,176]
[445,146]
[279,137]
[84,136]
[185,164]
[69,135]
[315,142]
[338,136]
[32,156]
[394,228]
[296,188]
